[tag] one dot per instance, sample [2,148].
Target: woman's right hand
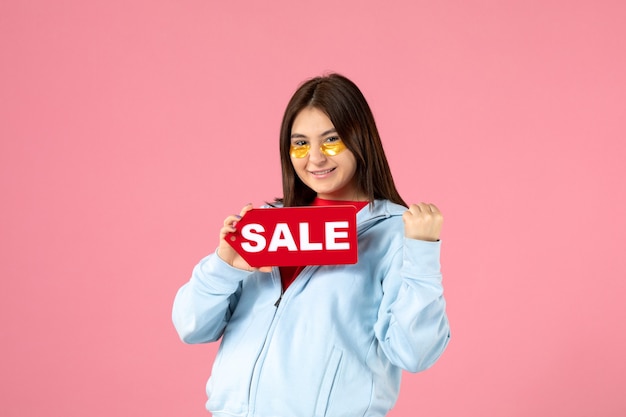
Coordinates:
[226,252]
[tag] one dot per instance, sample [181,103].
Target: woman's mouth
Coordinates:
[322,172]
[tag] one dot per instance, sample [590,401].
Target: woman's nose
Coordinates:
[316,155]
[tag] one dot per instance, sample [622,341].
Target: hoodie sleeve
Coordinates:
[203,306]
[412,326]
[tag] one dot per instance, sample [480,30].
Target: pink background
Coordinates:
[130,129]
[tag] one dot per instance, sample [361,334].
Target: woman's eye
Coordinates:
[299,143]
[333,139]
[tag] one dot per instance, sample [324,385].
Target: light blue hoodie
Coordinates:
[338,340]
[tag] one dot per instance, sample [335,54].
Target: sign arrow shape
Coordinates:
[297,236]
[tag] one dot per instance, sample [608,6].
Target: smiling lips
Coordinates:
[321,173]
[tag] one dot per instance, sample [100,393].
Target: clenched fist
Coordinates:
[423,222]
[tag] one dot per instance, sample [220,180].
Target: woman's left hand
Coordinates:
[423,222]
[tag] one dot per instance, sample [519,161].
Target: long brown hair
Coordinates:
[344,104]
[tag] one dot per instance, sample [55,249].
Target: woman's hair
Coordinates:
[344,104]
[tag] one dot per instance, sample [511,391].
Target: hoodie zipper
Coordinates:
[258,364]
[277,303]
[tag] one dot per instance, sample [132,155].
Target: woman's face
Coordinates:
[328,167]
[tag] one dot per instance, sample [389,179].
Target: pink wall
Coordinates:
[130,129]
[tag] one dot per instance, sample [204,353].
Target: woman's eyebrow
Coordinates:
[329,131]
[300,135]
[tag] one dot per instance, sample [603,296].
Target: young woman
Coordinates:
[323,340]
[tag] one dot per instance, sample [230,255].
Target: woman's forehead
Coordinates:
[311,121]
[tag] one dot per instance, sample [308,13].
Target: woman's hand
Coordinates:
[226,252]
[423,222]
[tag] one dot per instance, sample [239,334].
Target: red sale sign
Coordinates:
[297,236]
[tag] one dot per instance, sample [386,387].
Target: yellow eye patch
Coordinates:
[327,148]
